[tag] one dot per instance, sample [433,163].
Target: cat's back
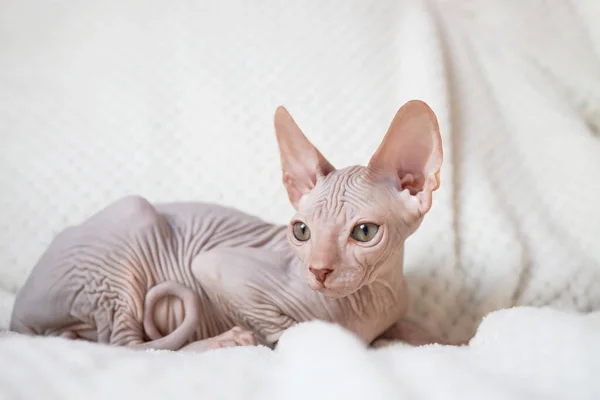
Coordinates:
[211,225]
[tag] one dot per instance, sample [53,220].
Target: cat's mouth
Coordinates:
[331,291]
[335,293]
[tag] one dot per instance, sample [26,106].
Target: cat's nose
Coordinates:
[320,273]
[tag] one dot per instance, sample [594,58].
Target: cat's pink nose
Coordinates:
[320,273]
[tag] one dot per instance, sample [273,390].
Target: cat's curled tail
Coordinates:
[180,336]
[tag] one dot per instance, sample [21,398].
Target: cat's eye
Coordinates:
[301,231]
[364,232]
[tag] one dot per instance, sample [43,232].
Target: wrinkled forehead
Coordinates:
[342,195]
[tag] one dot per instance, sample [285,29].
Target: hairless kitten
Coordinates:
[196,276]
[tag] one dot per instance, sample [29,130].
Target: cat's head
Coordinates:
[351,223]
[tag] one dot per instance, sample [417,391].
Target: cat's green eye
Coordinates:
[364,232]
[301,231]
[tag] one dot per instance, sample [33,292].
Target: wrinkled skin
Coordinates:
[197,276]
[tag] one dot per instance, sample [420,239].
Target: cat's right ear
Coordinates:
[301,162]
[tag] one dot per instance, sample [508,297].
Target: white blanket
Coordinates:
[517,354]
[174,101]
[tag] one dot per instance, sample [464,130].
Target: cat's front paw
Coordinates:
[234,337]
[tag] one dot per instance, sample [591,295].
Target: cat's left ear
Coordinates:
[301,162]
[411,152]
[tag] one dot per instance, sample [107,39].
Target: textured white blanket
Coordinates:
[517,354]
[174,101]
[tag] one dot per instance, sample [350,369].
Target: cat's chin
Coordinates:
[331,292]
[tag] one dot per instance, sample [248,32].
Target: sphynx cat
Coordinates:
[196,276]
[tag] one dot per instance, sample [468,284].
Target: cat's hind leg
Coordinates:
[132,332]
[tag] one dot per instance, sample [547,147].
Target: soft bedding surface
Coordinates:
[517,354]
[174,101]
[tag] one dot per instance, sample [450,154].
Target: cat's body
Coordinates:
[242,269]
[196,275]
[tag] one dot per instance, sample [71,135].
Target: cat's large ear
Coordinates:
[301,162]
[411,152]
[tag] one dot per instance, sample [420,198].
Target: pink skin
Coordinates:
[197,276]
